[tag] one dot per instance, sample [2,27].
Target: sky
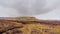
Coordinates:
[43,9]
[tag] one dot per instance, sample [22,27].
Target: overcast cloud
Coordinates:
[44,9]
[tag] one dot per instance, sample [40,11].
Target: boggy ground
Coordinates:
[28,25]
